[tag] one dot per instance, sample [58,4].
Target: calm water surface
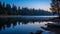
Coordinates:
[19,26]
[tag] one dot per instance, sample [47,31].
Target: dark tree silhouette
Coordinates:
[3,9]
[19,11]
[8,9]
[55,6]
[14,9]
[0,8]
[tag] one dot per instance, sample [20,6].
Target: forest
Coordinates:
[7,9]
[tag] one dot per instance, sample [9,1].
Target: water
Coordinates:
[23,25]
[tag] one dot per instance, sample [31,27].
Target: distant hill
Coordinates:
[36,12]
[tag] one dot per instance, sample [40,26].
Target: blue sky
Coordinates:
[29,3]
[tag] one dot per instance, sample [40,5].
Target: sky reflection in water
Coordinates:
[10,26]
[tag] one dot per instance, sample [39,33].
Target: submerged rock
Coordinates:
[31,33]
[39,32]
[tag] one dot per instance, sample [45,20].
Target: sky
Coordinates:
[37,4]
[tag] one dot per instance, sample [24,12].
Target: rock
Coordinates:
[31,33]
[39,32]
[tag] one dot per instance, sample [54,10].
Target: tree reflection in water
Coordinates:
[8,22]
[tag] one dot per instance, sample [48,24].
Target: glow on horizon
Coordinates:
[37,4]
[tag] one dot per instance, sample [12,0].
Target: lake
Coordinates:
[23,24]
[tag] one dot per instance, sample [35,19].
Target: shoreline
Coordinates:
[19,16]
[32,15]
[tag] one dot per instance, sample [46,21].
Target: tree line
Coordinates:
[7,9]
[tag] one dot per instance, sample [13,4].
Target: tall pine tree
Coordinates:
[55,6]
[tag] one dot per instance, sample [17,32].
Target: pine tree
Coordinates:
[0,8]
[14,9]
[55,6]
[8,9]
